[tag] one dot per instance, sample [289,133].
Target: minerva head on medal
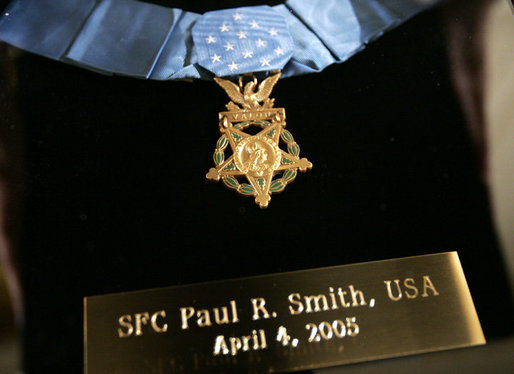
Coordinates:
[258,158]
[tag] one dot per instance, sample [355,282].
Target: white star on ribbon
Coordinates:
[278,51]
[254,24]
[273,32]
[233,66]
[247,54]
[224,28]
[215,58]
[237,16]
[242,35]
[261,43]
[264,62]
[210,39]
[229,47]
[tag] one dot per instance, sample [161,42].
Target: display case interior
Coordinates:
[112,195]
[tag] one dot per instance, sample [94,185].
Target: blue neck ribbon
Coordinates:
[137,39]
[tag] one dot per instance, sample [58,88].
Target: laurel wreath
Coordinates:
[277,185]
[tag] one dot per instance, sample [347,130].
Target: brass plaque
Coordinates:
[285,322]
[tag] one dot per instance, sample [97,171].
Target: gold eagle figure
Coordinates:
[247,97]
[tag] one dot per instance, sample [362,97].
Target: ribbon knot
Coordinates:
[242,40]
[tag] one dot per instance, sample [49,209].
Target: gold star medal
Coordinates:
[255,155]
[258,159]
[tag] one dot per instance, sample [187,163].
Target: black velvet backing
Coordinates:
[117,198]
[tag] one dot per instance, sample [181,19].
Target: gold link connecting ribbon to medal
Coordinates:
[258,158]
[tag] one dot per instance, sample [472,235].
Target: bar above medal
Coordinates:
[285,322]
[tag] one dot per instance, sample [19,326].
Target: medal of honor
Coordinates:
[258,158]
[255,155]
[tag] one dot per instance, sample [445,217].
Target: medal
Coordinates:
[258,158]
[255,155]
